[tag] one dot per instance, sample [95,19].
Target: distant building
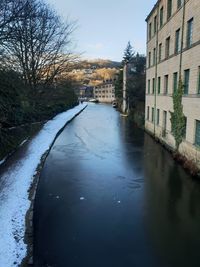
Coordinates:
[105,92]
[89,92]
[173,52]
[86,92]
[88,71]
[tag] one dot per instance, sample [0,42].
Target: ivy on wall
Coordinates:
[178,120]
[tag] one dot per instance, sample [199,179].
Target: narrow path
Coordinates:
[109,196]
[16,176]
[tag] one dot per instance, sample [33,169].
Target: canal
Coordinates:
[110,196]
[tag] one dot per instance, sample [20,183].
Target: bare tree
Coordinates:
[39,43]
[9,11]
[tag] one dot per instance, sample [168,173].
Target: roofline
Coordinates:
[153,9]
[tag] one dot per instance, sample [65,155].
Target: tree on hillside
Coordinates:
[128,53]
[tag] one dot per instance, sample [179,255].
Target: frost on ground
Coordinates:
[14,201]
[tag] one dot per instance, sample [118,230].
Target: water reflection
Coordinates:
[173,207]
[140,208]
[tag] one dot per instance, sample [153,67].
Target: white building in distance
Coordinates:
[105,92]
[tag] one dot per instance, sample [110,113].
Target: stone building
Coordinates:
[105,92]
[173,53]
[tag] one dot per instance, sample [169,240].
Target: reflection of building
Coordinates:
[105,92]
[173,52]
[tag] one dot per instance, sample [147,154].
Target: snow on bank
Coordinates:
[14,201]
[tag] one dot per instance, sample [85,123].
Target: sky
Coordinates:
[106,26]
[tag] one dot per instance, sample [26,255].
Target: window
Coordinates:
[155,24]
[177,41]
[149,59]
[159,83]
[198,91]
[153,88]
[189,32]
[158,117]
[149,86]
[147,113]
[149,31]
[154,56]
[175,81]
[152,115]
[166,84]
[179,3]
[186,81]
[185,127]
[167,47]
[161,17]
[160,52]
[164,123]
[169,9]
[197,134]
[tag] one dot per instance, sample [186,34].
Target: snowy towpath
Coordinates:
[16,181]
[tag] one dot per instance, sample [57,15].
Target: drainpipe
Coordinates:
[156,72]
[124,105]
[182,38]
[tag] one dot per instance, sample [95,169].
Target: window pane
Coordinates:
[177,41]
[197,135]
[189,32]
[149,84]
[158,116]
[159,81]
[153,89]
[166,84]
[149,59]
[155,24]
[167,47]
[186,81]
[164,123]
[152,115]
[175,81]
[149,30]
[169,9]
[147,113]
[185,127]
[154,56]
[160,52]
[199,82]
[179,3]
[161,17]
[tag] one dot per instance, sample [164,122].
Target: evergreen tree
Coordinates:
[178,120]
[119,85]
[128,53]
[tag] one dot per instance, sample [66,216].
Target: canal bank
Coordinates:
[16,178]
[109,195]
[191,166]
[29,237]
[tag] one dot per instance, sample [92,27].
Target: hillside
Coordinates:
[93,72]
[98,63]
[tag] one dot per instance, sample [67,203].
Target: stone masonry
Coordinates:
[173,52]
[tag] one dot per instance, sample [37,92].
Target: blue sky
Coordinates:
[105,26]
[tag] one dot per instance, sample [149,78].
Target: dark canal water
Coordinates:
[110,196]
